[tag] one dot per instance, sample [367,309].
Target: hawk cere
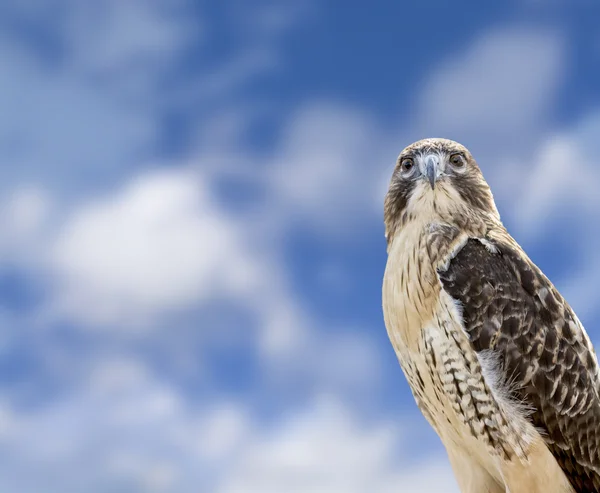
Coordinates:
[496,359]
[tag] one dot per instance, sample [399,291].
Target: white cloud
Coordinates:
[326,449]
[561,178]
[61,128]
[225,429]
[127,429]
[115,36]
[339,362]
[158,244]
[558,192]
[328,168]
[561,182]
[120,430]
[162,244]
[502,85]
[95,109]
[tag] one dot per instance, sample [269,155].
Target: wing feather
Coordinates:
[512,309]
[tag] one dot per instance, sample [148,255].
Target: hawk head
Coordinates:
[437,180]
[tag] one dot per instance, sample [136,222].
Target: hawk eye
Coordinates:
[407,165]
[457,160]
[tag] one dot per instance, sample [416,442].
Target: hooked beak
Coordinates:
[431,168]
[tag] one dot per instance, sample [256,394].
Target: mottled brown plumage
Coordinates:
[497,361]
[512,309]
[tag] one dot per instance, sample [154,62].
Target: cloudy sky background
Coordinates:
[192,248]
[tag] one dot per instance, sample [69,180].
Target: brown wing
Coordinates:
[511,308]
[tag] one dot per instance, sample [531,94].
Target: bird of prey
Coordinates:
[496,359]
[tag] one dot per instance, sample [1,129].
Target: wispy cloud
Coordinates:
[326,449]
[501,86]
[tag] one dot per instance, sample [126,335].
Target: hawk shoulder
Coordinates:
[510,309]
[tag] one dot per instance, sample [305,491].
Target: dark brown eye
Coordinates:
[407,165]
[457,160]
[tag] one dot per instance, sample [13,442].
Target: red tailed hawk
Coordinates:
[496,359]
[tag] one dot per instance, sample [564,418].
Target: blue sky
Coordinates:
[192,242]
